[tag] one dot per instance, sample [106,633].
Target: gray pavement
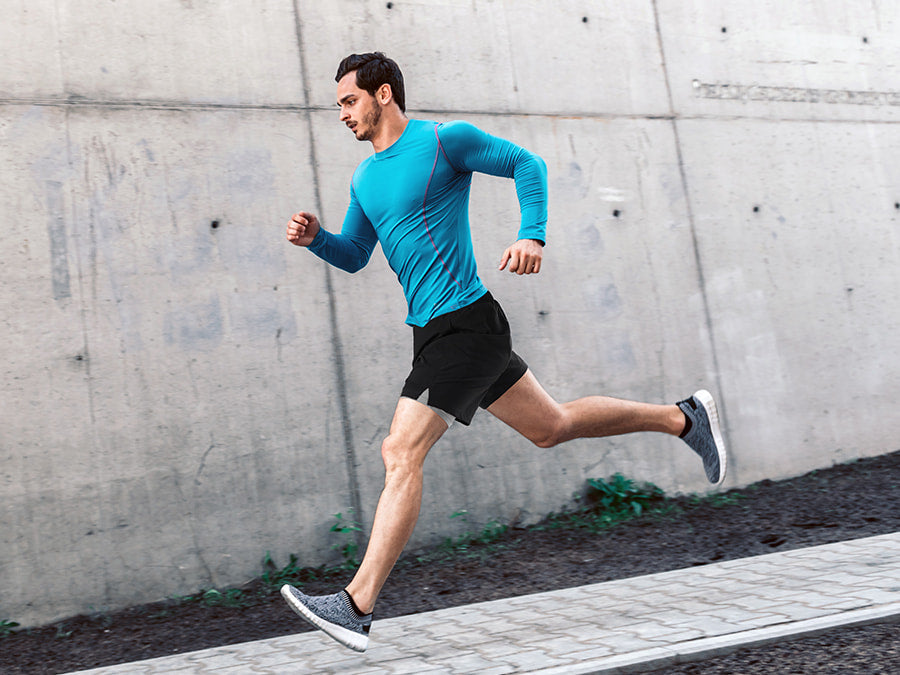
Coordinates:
[627,625]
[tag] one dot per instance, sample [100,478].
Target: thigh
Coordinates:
[528,408]
[415,428]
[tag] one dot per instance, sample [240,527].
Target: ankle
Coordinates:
[681,423]
[361,610]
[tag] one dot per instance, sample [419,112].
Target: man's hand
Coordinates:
[302,228]
[523,257]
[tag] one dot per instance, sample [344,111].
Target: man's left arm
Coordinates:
[468,148]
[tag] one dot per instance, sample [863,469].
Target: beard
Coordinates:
[369,123]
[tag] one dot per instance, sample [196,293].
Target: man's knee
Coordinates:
[552,432]
[547,440]
[390,451]
[398,455]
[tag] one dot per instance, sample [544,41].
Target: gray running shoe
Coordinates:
[332,614]
[704,436]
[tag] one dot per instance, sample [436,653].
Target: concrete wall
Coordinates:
[183,391]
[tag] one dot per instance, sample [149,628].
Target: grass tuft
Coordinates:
[608,502]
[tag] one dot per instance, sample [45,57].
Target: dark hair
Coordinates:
[373,70]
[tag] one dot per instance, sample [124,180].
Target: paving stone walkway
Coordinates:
[627,625]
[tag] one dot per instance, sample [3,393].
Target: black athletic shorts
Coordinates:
[464,359]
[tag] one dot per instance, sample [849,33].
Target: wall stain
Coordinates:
[59,251]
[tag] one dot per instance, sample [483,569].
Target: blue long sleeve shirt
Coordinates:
[413,197]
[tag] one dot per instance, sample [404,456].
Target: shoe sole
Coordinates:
[345,636]
[706,400]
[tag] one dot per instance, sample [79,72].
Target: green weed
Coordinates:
[349,549]
[608,502]
[491,533]
[468,544]
[274,578]
[7,627]
[232,597]
[621,494]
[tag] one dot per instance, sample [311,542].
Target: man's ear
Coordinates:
[384,94]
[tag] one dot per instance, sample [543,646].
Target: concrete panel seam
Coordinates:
[721,404]
[337,345]
[295,108]
[85,356]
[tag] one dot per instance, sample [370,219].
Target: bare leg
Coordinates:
[531,411]
[414,430]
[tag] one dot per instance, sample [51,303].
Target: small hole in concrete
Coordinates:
[617,213]
[584,19]
[390,5]
[724,29]
[866,40]
[755,209]
[214,224]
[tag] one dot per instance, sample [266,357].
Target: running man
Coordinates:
[412,196]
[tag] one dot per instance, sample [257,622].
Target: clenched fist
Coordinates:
[523,257]
[302,228]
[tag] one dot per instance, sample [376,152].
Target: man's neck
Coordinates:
[391,129]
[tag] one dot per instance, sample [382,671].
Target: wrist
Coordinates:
[317,240]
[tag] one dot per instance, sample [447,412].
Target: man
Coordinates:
[412,195]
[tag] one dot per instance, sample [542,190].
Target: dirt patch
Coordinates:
[844,502]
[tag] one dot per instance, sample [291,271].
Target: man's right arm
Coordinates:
[468,148]
[350,250]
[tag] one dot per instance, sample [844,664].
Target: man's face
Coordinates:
[359,109]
